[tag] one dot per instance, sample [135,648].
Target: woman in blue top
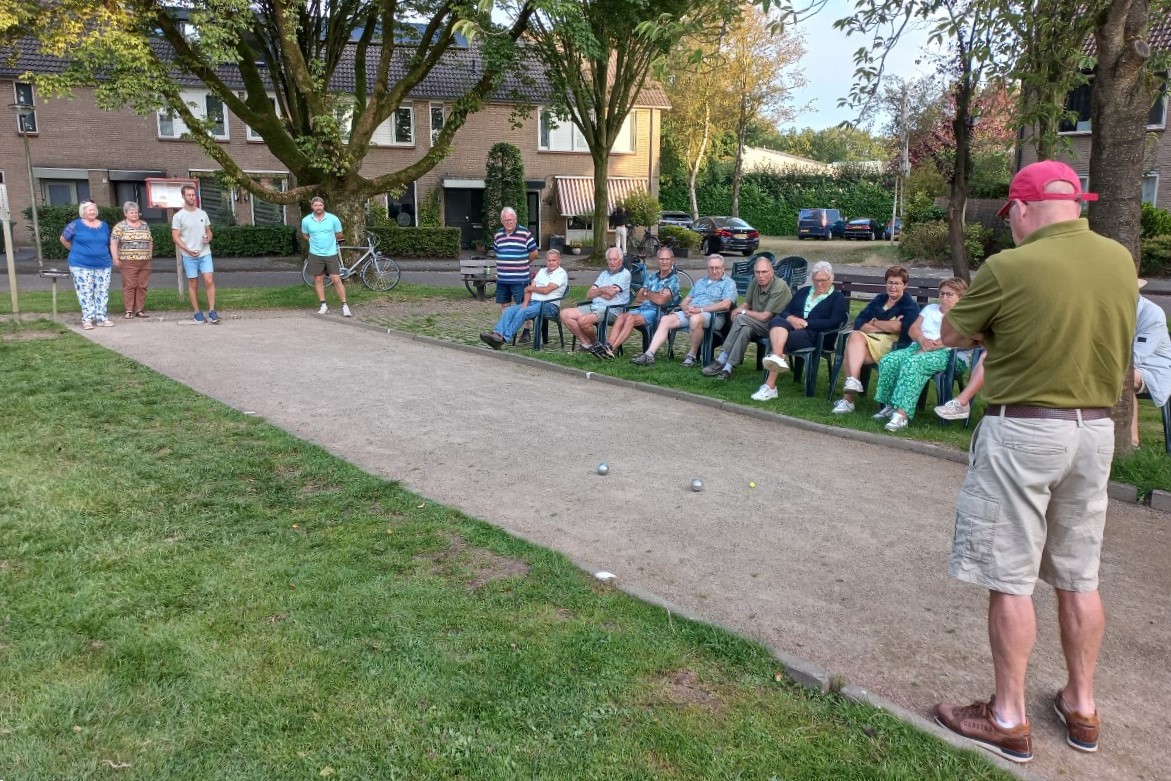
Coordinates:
[884,325]
[88,241]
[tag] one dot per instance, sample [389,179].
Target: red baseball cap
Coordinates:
[1030,182]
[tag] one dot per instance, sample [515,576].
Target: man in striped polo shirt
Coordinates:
[515,249]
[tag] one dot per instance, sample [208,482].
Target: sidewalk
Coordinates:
[837,556]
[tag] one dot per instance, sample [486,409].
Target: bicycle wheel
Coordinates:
[380,273]
[685,281]
[309,279]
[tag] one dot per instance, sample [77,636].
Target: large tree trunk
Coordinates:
[1121,100]
[351,210]
[601,215]
[738,171]
[957,204]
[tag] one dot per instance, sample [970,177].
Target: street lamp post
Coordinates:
[23,112]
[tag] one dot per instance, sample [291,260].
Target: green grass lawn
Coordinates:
[189,593]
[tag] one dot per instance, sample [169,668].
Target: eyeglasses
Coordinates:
[715,268]
[763,271]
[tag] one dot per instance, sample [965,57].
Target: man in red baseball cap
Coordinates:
[1030,184]
[1057,316]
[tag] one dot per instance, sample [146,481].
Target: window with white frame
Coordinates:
[438,120]
[203,105]
[398,129]
[26,120]
[554,135]
[1078,102]
[1151,189]
[251,134]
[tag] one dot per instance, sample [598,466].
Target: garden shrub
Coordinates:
[1156,256]
[645,209]
[928,241]
[684,238]
[418,242]
[504,185]
[1155,222]
[429,210]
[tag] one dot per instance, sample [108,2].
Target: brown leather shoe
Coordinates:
[976,722]
[1081,731]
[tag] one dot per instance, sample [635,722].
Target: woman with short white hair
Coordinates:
[131,247]
[88,240]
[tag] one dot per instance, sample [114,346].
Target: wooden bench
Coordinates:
[922,291]
[477,274]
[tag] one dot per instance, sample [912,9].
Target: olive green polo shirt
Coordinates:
[772,299]
[1057,314]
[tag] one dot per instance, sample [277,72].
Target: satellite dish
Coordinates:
[404,219]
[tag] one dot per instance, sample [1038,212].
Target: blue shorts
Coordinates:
[510,291]
[685,320]
[649,313]
[193,267]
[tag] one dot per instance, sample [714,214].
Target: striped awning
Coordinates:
[575,194]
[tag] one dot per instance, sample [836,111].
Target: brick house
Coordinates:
[79,151]
[1156,187]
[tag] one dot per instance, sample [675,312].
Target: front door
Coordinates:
[463,208]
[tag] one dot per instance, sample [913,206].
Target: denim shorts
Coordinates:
[510,291]
[193,267]
[649,313]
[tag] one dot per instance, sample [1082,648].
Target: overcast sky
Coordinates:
[829,66]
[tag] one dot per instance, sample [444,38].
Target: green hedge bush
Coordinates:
[1155,222]
[928,241]
[231,241]
[770,201]
[684,238]
[418,242]
[1156,256]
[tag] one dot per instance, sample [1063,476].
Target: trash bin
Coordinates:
[557,242]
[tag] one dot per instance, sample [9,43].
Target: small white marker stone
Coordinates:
[605,577]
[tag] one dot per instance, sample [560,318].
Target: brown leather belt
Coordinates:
[1047,413]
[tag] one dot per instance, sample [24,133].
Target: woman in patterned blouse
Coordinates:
[131,247]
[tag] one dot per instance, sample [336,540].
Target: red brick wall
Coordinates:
[77,134]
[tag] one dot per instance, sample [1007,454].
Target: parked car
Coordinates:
[894,229]
[682,219]
[721,234]
[820,224]
[866,228]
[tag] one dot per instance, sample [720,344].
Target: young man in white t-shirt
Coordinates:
[191,232]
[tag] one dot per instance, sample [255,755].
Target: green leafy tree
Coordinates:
[288,55]
[504,185]
[832,145]
[597,56]
[757,90]
[972,37]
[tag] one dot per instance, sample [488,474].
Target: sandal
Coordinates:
[86,325]
[140,313]
[128,316]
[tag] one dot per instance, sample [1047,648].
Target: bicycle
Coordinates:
[375,270]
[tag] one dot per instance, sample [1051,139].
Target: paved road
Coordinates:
[838,556]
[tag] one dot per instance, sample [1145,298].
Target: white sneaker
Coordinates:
[324,310]
[346,310]
[852,384]
[897,422]
[953,410]
[884,413]
[775,363]
[764,393]
[843,407]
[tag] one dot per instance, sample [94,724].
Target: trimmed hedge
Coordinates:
[1155,222]
[1156,256]
[770,201]
[418,242]
[231,241]
[684,237]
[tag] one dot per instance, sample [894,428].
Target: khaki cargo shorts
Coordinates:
[880,344]
[1033,503]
